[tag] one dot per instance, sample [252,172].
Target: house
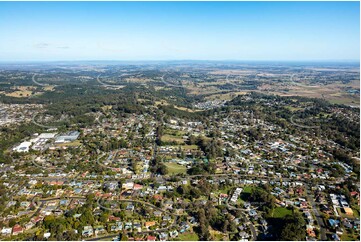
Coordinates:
[149,224]
[37,219]
[339,231]
[17,229]
[128,225]
[353,193]
[310,231]
[47,235]
[173,234]
[87,231]
[112,218]
[137,227]
[6,231]
[167,218]
[137,187]
[128,185]
[303,205]
[151,238]
[252,213]
[333,223]
[116,227]
[158,197]
[157,213]
[348,211]
[99,230]
[130,207]
[162,188]
[163,236]
[347,224]
[335,237]
[29,225]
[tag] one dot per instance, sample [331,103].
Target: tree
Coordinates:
[124,237]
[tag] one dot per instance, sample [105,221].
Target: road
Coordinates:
[252,228]
[302,126]
[248,222]
[37,83]
[170,84]
[41,125]
[319,219]
[107,85]
[142,232]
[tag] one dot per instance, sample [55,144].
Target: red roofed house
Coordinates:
[17,229]
[151,238]
[158,197]
[37,219]
[113,218]
[137,187]
[353,194]
[223,195]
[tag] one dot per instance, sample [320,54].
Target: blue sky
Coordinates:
[179,30]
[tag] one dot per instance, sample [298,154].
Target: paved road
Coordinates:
[170,84]
[302,126]
[44,200]
[142,232]
[319,219]
[37,83]
[107,85]
[248,222]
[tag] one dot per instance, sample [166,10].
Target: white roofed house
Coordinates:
[6,231]
[23,147]
[87,231]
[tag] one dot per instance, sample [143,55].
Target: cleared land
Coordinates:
[172,138]
[174,168]
[280,212]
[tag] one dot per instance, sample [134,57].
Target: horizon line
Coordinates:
[179,60]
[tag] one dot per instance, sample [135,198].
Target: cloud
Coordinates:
[63,47]
[41,45]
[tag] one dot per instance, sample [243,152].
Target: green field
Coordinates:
[189,147]
[171,138]
[348,237]
[344,215]
[247,189]
[188,237]
[281,212]
[70,144]
[174,168]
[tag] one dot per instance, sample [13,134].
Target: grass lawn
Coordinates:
[70,144]
[189,147]
[344,215]
[174,132]
[171,138]
[280,212]
[218,236]
[348,237]
[356,211]
[293,108]
[188,236]
[174,168]
[247,189]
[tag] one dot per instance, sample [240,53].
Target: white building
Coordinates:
[23,147]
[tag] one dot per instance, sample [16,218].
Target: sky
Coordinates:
[297,31]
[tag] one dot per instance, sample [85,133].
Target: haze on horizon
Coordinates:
[51,31]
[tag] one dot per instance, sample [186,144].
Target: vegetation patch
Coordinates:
[170,138]
[174,168]
[188,237]
[281,212]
